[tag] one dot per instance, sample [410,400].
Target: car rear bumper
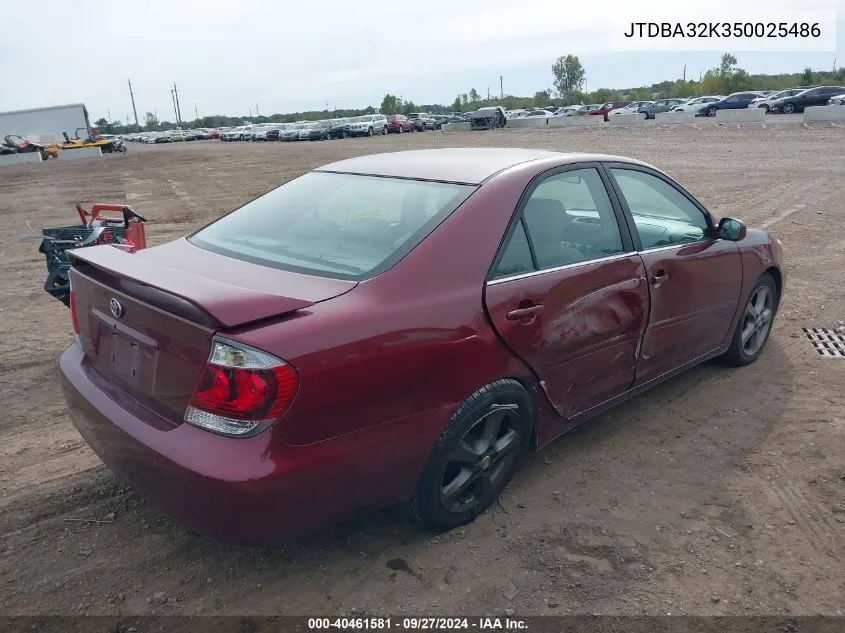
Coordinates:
[248,489]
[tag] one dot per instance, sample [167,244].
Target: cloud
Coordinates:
[226,55]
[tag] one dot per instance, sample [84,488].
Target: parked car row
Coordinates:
[792,100]
[818,96]
[788,101]
[173,136]
[364,125]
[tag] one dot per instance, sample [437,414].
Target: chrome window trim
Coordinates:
[544,271]
[656,249]
[598,260]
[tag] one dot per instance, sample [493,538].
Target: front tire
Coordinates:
[711,111]
[370,132]
[475,457]
[755,325]
[788,108]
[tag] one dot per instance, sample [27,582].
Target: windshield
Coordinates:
[335,225]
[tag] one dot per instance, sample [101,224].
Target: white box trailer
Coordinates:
[46,124]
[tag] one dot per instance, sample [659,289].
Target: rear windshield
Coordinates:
[334,225]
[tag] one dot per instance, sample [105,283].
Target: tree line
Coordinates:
[568,81]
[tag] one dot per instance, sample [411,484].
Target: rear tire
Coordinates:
[755,325]
[475,457]
[370,132]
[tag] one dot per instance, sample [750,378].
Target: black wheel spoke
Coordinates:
[452,491]
[464,453]
[485,487]
[492,426]
[508,443]
[502,466]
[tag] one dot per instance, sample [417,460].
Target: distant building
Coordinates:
[46,124]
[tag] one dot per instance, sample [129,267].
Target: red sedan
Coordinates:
[605,108]
[400,327]
[398,123]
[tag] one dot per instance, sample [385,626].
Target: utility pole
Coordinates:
[501,89]
[134,111]
[175,109]
[488,93]
[685,73]
[109,111]
[196,112]
[256,109]
[178,109]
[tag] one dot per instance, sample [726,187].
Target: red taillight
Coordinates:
[240,391]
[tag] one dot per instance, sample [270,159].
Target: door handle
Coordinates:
[524,313]
[659,277]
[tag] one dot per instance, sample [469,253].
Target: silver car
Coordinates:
[693,105]
[766,102]
[367,125]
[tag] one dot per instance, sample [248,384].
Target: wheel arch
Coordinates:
[777,275]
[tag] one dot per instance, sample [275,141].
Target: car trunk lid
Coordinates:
[146,319]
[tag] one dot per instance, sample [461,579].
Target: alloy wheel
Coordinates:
[757,320]
[481,460]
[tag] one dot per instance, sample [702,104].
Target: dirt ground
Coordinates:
[721,492]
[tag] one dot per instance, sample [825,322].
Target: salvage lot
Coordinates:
[722,491]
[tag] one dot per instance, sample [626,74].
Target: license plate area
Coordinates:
[126,355]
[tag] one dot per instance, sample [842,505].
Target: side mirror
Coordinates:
[731,229]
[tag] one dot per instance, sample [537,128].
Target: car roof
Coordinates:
[467,165]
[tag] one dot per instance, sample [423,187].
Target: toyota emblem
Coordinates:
[116,308]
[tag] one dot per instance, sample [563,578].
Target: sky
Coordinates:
[229,56]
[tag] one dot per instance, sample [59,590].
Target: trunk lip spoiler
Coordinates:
[225,303]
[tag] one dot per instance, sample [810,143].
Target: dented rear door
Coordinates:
[568,293]
[582,340]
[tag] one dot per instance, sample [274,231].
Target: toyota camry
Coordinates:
[400,328]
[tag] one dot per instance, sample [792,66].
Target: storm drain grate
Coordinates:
[827,342]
